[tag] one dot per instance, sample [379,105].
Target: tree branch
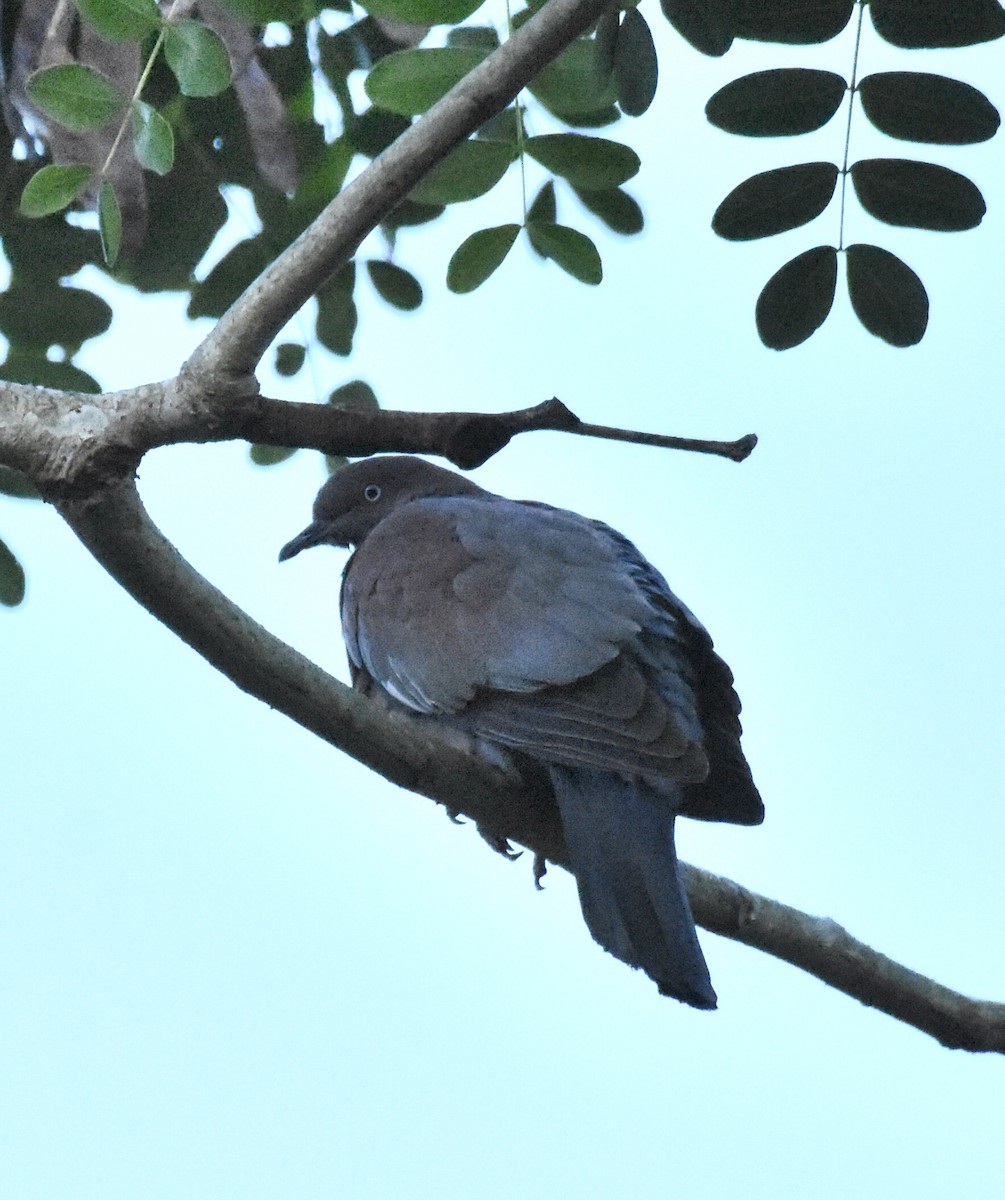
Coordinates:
[415,754]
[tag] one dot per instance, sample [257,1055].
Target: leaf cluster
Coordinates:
[886,294]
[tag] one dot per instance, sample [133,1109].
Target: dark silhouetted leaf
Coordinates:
[423,12]
[51,249]
[920,194]
[777,103]
[797,22]
[887,296]
[920,107]
[373,131]
[394,284]
[289,358]
[635,65]
[268,456]
[28,367]
[470,170]
[354,396]
[543,207]
[52,188]
[52,315]
[408,212]
[337,317]
[11,578]
[478,256]
[13,483]
[574,252]
[228,279]
[775,201]
[411,81]
[615,208]
[606,39]
[587,162]
[920,24]
[795,301]
[706,24]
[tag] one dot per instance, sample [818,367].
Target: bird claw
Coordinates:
[454,814]
[540,870]
[499,844]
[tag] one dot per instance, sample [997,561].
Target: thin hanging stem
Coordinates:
[851,108]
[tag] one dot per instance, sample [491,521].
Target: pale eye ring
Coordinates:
[371,492]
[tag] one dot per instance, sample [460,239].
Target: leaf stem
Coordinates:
[851,108]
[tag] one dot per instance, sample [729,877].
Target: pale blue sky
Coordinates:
[235,964]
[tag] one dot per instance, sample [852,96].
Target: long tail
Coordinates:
[620,839]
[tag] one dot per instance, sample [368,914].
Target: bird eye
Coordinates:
[371,492]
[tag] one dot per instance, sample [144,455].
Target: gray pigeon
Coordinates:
[548,633]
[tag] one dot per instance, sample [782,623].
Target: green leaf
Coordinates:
[706,24]
[797,23]
[478,256]
[394,284]
[543,206]
[109,222]
[198,58]
[479,36]
[500,128]
[354,396]
[795,301]
[777,103]
[120,20]
[411,81]
[11,578]
[574,252]
[52,315]
[14,483]
[423,12]
[775,201]
[615,208]
[289,358]
[153,139]
[920,107]
[887,296]
[263,455]
[920,24]
[471,170]
[574,84]
[78,97]
[636,68]
[587,162]
[52,188]
[919,194]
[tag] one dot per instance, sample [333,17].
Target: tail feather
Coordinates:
[620,839]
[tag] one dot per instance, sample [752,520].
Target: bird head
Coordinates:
[356,499]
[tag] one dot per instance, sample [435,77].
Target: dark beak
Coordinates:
[313,535]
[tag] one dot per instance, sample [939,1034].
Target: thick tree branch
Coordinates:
[118,532]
